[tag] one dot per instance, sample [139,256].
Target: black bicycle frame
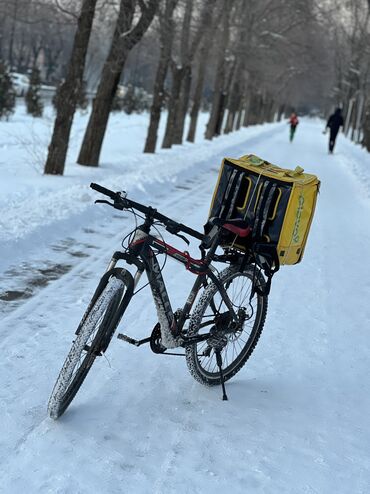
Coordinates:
[142,252]
[142,247]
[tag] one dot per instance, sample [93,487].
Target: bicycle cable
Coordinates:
[130,235]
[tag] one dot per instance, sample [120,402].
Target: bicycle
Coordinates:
[223,328]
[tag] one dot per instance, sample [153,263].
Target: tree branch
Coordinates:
[65,11]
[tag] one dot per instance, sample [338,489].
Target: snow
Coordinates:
[297,416]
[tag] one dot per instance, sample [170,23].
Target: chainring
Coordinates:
[155,340]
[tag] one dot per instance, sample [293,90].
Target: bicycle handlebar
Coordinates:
[104,191]
[125,203]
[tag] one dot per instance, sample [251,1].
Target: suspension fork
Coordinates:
[131,259]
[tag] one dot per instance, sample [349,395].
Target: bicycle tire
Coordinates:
[94,334]
[207,372]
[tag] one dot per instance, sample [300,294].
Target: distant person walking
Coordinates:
[334,123]
[293,121]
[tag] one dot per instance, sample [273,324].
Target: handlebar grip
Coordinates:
[104,191]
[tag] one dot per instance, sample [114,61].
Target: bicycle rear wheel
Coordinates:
[212,315]
[93,337]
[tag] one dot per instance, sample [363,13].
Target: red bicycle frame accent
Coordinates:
[195,266]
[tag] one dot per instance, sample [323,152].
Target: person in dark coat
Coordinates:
[334,123]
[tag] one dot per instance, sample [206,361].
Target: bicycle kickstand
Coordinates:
[219,363]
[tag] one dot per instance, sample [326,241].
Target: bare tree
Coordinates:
[220,75]
[125,37]
[181,70]
[69,91]
[166,41]
[205,19]
[178,71]
[198,90]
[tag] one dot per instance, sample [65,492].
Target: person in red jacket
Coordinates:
[293,121]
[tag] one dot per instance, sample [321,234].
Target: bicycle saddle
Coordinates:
[235,225]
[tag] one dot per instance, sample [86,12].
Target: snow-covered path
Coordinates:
[297,419]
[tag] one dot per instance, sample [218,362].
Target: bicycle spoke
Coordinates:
[236,342]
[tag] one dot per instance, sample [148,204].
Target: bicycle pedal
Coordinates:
[132,341]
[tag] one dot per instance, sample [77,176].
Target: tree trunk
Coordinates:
[166,32]
[178,72]
[156,108]
[242,105]
[233,100]
[202,66]
[183,106]
[196,106]
[173,106]
[280,112]
[188,52]
[267,109]
[121,45]
[215,120]
[69,92]
[221,114]
[239,118]
[12,34]
[197,98]
[366,126]
[247,110]
[253,111]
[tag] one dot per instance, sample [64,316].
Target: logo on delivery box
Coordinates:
[295,236]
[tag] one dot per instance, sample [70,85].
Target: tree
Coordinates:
[33,101]
[189,53]
[166,32]
[217,109]
[201,73]
[34,32]
[366,127]
[125,37]
[70,91]
[82,99]
[181,71]
[7,93]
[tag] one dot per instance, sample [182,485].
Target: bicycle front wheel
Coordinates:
[93,337]
[235,343]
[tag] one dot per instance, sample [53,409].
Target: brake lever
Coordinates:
[182,238]
[103,201]
[172,227]
[115,205]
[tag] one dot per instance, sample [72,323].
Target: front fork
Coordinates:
[119,255]
[138,274]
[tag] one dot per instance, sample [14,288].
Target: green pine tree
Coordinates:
[33,101]
[7,93]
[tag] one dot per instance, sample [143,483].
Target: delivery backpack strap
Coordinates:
[266,259]
[231,193]
[224,209]
[262,209]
